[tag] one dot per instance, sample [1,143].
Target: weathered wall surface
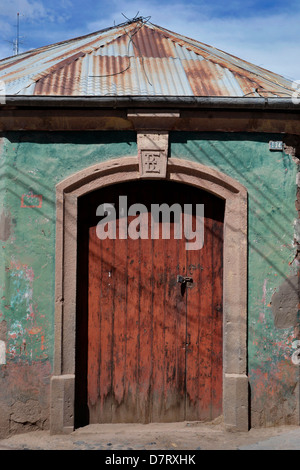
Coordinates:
[270,178]
[31,164]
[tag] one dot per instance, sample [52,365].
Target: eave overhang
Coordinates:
[171,113]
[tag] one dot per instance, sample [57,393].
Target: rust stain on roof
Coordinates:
[137,58]
[152,43]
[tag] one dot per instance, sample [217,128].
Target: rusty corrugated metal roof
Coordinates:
[137,59]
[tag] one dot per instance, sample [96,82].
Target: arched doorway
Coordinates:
[234,394]
[149,304]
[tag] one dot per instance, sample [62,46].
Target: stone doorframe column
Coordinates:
[235,380]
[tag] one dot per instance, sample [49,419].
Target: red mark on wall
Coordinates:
[35,330]
[31,200]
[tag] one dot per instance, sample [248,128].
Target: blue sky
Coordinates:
[266,33]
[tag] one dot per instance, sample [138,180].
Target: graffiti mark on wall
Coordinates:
[31,200]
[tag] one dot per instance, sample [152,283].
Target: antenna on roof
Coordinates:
[16,42]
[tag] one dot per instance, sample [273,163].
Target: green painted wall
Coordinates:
[33,163]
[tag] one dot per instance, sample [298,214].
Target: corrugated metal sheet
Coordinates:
[139,59]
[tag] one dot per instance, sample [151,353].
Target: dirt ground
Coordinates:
[169,436]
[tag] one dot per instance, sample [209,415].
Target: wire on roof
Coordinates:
[141,21]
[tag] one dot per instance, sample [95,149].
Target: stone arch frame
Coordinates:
[235,379]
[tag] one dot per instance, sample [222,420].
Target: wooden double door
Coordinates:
[149,320]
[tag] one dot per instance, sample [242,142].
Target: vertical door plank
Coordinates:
[175,332]
[106,328]
[120,329]
[158,365]
[94,302]
[193,336]
[132,330]
[145,352]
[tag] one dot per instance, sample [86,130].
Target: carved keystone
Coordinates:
[153,154]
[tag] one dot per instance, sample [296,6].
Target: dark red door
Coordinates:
[154,345]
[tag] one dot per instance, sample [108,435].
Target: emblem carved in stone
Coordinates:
[153,163]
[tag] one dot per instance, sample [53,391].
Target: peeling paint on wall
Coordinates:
[285,303]
[273,402]
[25,335]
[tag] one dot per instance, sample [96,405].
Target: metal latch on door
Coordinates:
[187,281]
